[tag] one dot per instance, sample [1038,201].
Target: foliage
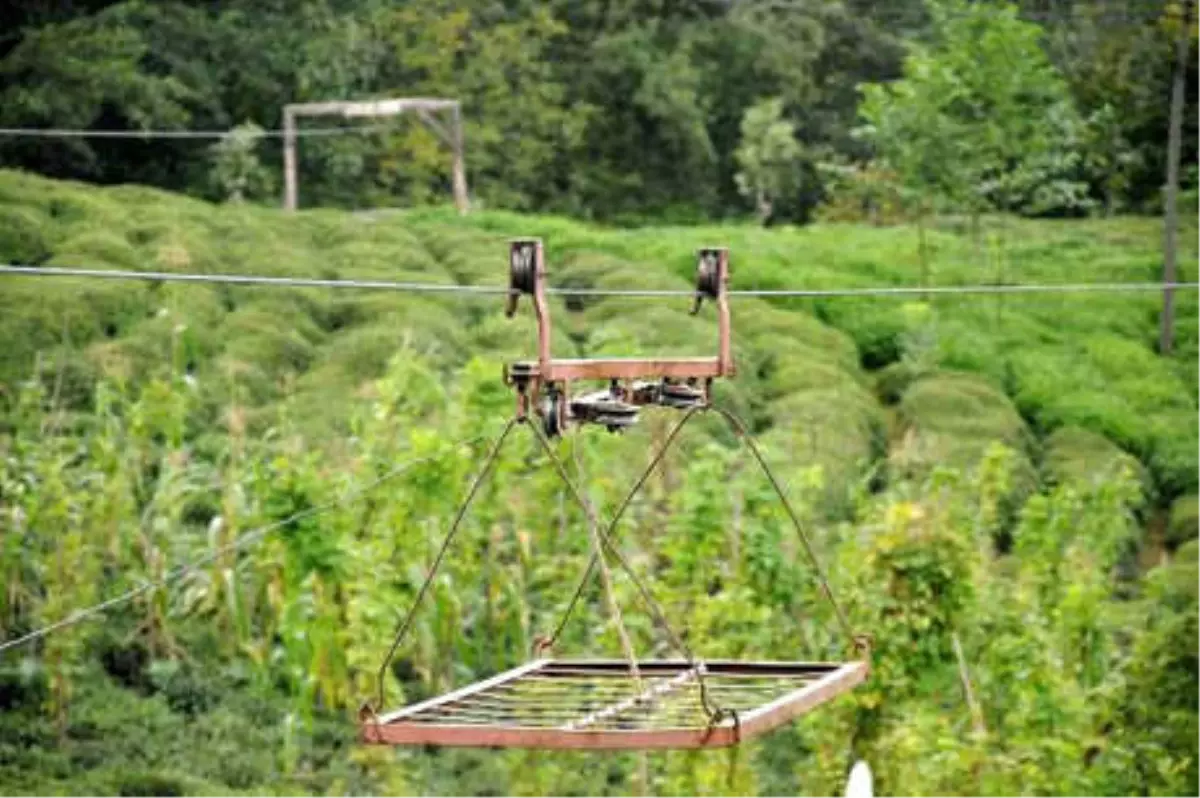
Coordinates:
[990,504]
[237,173]
[768,156]
[1075,455]
[1184,520]
[866,193]
[978,116]
[627,113]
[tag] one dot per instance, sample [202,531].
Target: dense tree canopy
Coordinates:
[1003,493]
[611,110]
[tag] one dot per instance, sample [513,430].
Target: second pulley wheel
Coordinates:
[708,277]
[604,409]
[552,412]
[522,273]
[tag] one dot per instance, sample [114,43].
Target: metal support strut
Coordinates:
[631,383]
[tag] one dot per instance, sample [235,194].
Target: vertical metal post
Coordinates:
[289,159]
[1166,337]
[712,280]
[460,172]
[724,345]
[539,306]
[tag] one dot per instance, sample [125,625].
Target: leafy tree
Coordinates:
[236,170]
[768,155]
[978,112]
[1120,56]
[80,73]
[520,130]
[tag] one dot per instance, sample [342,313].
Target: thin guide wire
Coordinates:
[240,542]
[462,288]
[81,133]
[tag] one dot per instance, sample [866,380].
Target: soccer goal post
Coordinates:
[425,110]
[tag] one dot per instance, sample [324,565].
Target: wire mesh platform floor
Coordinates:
[596,704]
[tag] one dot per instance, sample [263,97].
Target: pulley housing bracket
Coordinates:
[544,385]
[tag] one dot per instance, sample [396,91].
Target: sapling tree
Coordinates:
[237,172]
[768,156]
[976,114]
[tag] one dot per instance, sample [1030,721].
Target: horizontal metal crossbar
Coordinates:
[623,368]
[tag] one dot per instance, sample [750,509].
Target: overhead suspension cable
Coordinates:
[84,133]
[463,288]
[240,542]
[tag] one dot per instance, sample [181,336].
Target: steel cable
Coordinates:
[183,570]
[462,288]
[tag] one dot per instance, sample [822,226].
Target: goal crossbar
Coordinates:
[422,106]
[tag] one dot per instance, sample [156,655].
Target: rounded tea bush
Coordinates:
[1184,521]
[24,237]
[1188,552]
[1074,454]
[950,419]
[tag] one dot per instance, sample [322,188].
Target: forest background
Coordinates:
[1003,489]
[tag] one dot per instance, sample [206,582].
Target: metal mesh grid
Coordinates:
[598,704]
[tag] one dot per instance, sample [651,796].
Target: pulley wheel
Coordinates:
[552,415]
[522,270]
[708,272]
[522,273]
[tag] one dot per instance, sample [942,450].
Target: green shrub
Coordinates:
[1074,454]
[893,380]
[949,419]
[876,330]
[144,782]
[1188,552]
[98,248]
[769,327]
[1183,522]
[840,429]
[663,333]
[516,338]
[1172,457]
[42,316]
[23,236]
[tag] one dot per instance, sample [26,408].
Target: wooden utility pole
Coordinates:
[1166,336]
[289,158]
[460,169]
[423,107]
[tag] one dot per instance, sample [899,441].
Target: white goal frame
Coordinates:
[424,109]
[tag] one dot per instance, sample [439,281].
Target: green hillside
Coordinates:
[1015,472]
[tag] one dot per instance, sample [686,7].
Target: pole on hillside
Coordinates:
[289,159]
[1166,336]
[460,171]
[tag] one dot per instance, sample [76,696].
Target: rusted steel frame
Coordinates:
[553,370]
[562,372]
[511,737]
[800,701]
[541,309]
[648,695]
[724,337]
[405,727]
[464,692]
[630,369]
[713,667]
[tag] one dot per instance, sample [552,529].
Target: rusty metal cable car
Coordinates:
[613,704]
